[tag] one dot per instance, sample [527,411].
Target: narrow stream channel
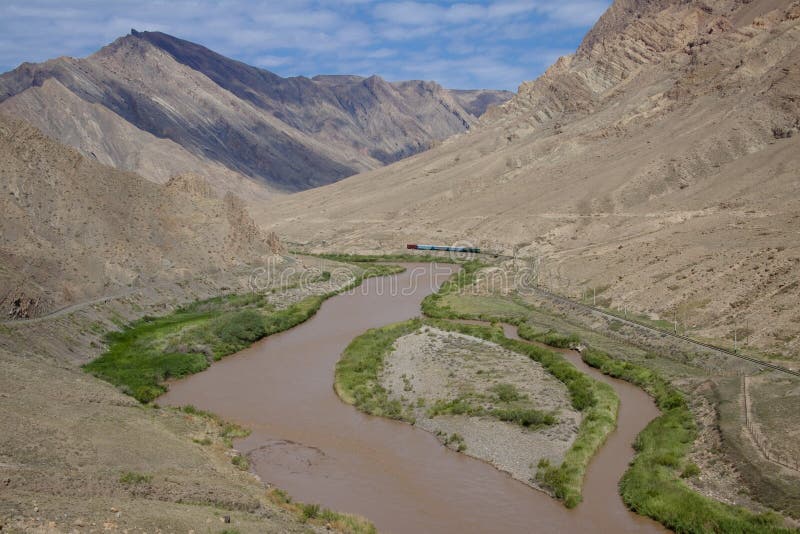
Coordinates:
[320,450]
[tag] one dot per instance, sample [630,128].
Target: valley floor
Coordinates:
[76,454]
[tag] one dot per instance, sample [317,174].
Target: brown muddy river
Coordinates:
[309,443]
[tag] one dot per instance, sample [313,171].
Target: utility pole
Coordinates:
[675,319]
[747,331]
[735,349]
[594,296]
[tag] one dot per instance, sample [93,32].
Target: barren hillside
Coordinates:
[157,105]
[657,165]
[73,229]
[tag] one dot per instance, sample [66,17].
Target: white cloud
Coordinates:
[271,62]
[490,43]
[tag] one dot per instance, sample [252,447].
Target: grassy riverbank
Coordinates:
[314,514]
[147,352]
[356,376]
[653,485]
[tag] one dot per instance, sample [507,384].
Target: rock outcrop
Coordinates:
[73,229]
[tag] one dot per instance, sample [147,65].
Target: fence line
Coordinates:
[758,438]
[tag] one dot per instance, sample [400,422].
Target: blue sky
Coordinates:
[464,44]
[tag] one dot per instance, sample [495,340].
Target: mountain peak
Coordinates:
[168,94]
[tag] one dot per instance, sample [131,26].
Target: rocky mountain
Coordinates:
[157,105]
[657,164]
[73,229]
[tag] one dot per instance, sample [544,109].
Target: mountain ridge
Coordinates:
[256,127]
[657,163]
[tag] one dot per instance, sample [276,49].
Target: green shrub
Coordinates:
[310,511]
[691,470]
[505,392]
[527,417]
[431,305]
[561,341]
[457,406]
[240,462]
[548,337]
[244,326]
[132,478]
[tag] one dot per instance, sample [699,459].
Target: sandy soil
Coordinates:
[433,364]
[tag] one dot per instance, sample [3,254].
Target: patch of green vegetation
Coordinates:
[356,377]
[506,392]
[580,386]
[227,431]
[132,478]
[434,306]
[314,514]
[240,462]
[378,269]
[548,337]
[690,470]
[598,422]
[511,407]
[527,417]
[485,307]
[456,441]
[458,406]
[238,329]
[309,511]
[652,485]
[147,352]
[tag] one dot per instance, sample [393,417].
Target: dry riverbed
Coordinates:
[433,367]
